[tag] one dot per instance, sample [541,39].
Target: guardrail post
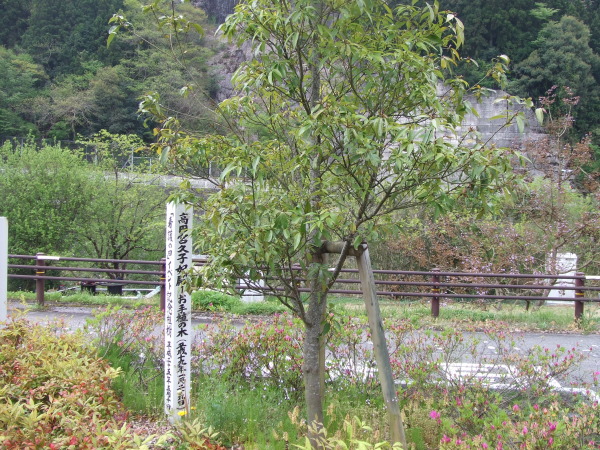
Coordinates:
[163,269]
[39,283]
[435,300]
[3,269]
[579,282]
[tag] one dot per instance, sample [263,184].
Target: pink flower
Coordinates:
[525,430]
[446,439]
[435,415]
[484,445]
[516,408]
[552,426]
[550,441]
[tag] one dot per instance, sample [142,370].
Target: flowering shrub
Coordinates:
[534,427]
[55,393]
[349,360]
[268,352]
[135,332]
[455,393]
[476,404]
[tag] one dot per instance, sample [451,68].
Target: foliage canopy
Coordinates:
[347,113]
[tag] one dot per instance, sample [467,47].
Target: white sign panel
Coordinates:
[3,266]
[178,310]
[563,264]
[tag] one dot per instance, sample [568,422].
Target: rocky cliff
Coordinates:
[226,62]
[217,10]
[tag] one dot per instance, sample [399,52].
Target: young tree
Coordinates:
[347,113]
[567,220]
[126,213]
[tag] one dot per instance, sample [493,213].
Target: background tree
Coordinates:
[62,34]
[59,203]
[14,21]
[46,194]
[345,115]
[19,78]
[176,67]
[125,218]
[566,221]
[563,57]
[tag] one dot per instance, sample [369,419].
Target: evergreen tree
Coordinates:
[13,21]
[20,78]
[564,58]
[63,33]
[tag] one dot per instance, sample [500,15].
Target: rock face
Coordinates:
[226,62]
[217,10]
[491,129]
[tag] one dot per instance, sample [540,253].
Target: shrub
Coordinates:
[132,340]
[264,308]
[55,393]
[267,352]
[214,301]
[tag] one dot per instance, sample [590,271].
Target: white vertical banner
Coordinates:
[178,310]
[3,267]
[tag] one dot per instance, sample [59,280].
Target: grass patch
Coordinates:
[242,414]
[261,417]
[84,299]
[547,318]
[267,307]
[141,392]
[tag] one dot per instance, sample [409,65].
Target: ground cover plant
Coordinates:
[248,385]
[81,299]
[56,393]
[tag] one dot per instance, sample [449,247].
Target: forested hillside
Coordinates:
[58,78]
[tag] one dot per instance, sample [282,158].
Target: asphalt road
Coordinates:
[588,344]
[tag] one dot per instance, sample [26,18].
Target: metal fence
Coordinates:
[434,285]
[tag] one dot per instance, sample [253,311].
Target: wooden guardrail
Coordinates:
[398,284]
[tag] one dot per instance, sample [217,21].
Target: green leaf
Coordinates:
[520,123]
[112,32]
[297,239]
[539,115]
[227,170]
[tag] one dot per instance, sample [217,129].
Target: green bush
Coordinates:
[56,393]
[259,308]
[214,301]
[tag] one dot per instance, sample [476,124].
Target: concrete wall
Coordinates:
[493,130]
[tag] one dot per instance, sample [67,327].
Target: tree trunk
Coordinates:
[314,352]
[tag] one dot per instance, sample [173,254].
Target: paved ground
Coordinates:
[588,344]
